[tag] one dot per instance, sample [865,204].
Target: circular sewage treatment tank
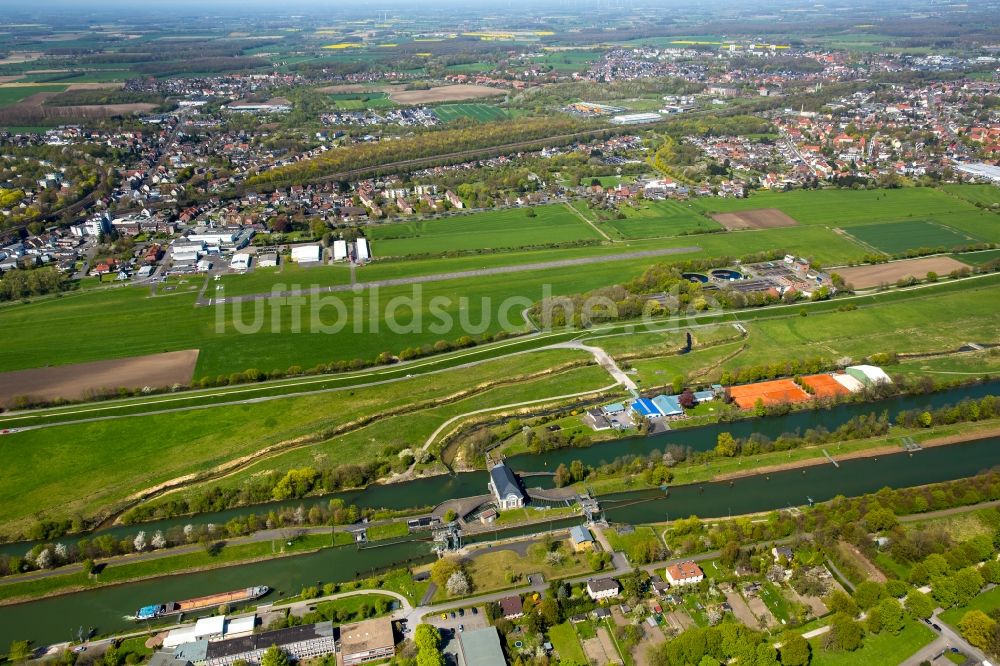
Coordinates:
[726,274]
[695,277]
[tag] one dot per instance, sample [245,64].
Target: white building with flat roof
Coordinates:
[307,254]
[339,250]
[364,250]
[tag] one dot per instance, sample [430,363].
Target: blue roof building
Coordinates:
[704,396]
[645,407]
[668,405]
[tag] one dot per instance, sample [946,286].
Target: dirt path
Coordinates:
[588,221]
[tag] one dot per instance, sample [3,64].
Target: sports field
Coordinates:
[481,112]
[898,237]
[489,230]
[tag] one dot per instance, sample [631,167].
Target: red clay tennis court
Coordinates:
[824,386]
[773,392]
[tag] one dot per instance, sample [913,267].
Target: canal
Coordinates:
[57,619]
[429,492]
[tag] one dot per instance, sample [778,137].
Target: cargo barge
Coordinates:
[154,611]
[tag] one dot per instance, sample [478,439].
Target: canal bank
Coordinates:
[58,618]
[427,492]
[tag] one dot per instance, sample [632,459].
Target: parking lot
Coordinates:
[448,626]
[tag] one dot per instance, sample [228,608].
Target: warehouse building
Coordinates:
[366,641]
[339,250]
[481,647]
[299,643]
[636,118]
[364,250]
[869,375]
[307,254]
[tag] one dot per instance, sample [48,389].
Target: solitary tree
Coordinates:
[458,584]
[726,445]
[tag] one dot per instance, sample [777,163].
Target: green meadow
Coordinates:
[849,208]
[472,110]
[491,230]
[14,94]
[62,471]
[654,219]
[898,237]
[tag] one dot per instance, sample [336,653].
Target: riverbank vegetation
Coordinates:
[683,464]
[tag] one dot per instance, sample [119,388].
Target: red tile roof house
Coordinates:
[684,573]
[511,607]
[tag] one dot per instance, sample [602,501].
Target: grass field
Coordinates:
[978,258]
[473,111]
[513,228]
[64,469]
[564,640]
[935,323]
[491,570]
[985,602]
[898,237]
[653,219]
[985,195]
[884,648]
[360,101]
[849,208]
[14,94]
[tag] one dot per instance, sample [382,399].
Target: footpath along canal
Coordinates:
[429,492]
[58,618]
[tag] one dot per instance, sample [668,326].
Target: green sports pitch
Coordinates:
[898,237]
[481,112]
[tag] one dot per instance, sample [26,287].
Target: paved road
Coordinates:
[456,275]
[947,638]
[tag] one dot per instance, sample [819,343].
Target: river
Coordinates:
[434,490]
[57,619]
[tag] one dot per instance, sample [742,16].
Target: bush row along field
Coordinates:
[513,228]
[413,429]
[474,111]
[66,469]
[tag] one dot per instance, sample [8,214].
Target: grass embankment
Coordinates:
[730,468]
[64,470]
[123,571]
